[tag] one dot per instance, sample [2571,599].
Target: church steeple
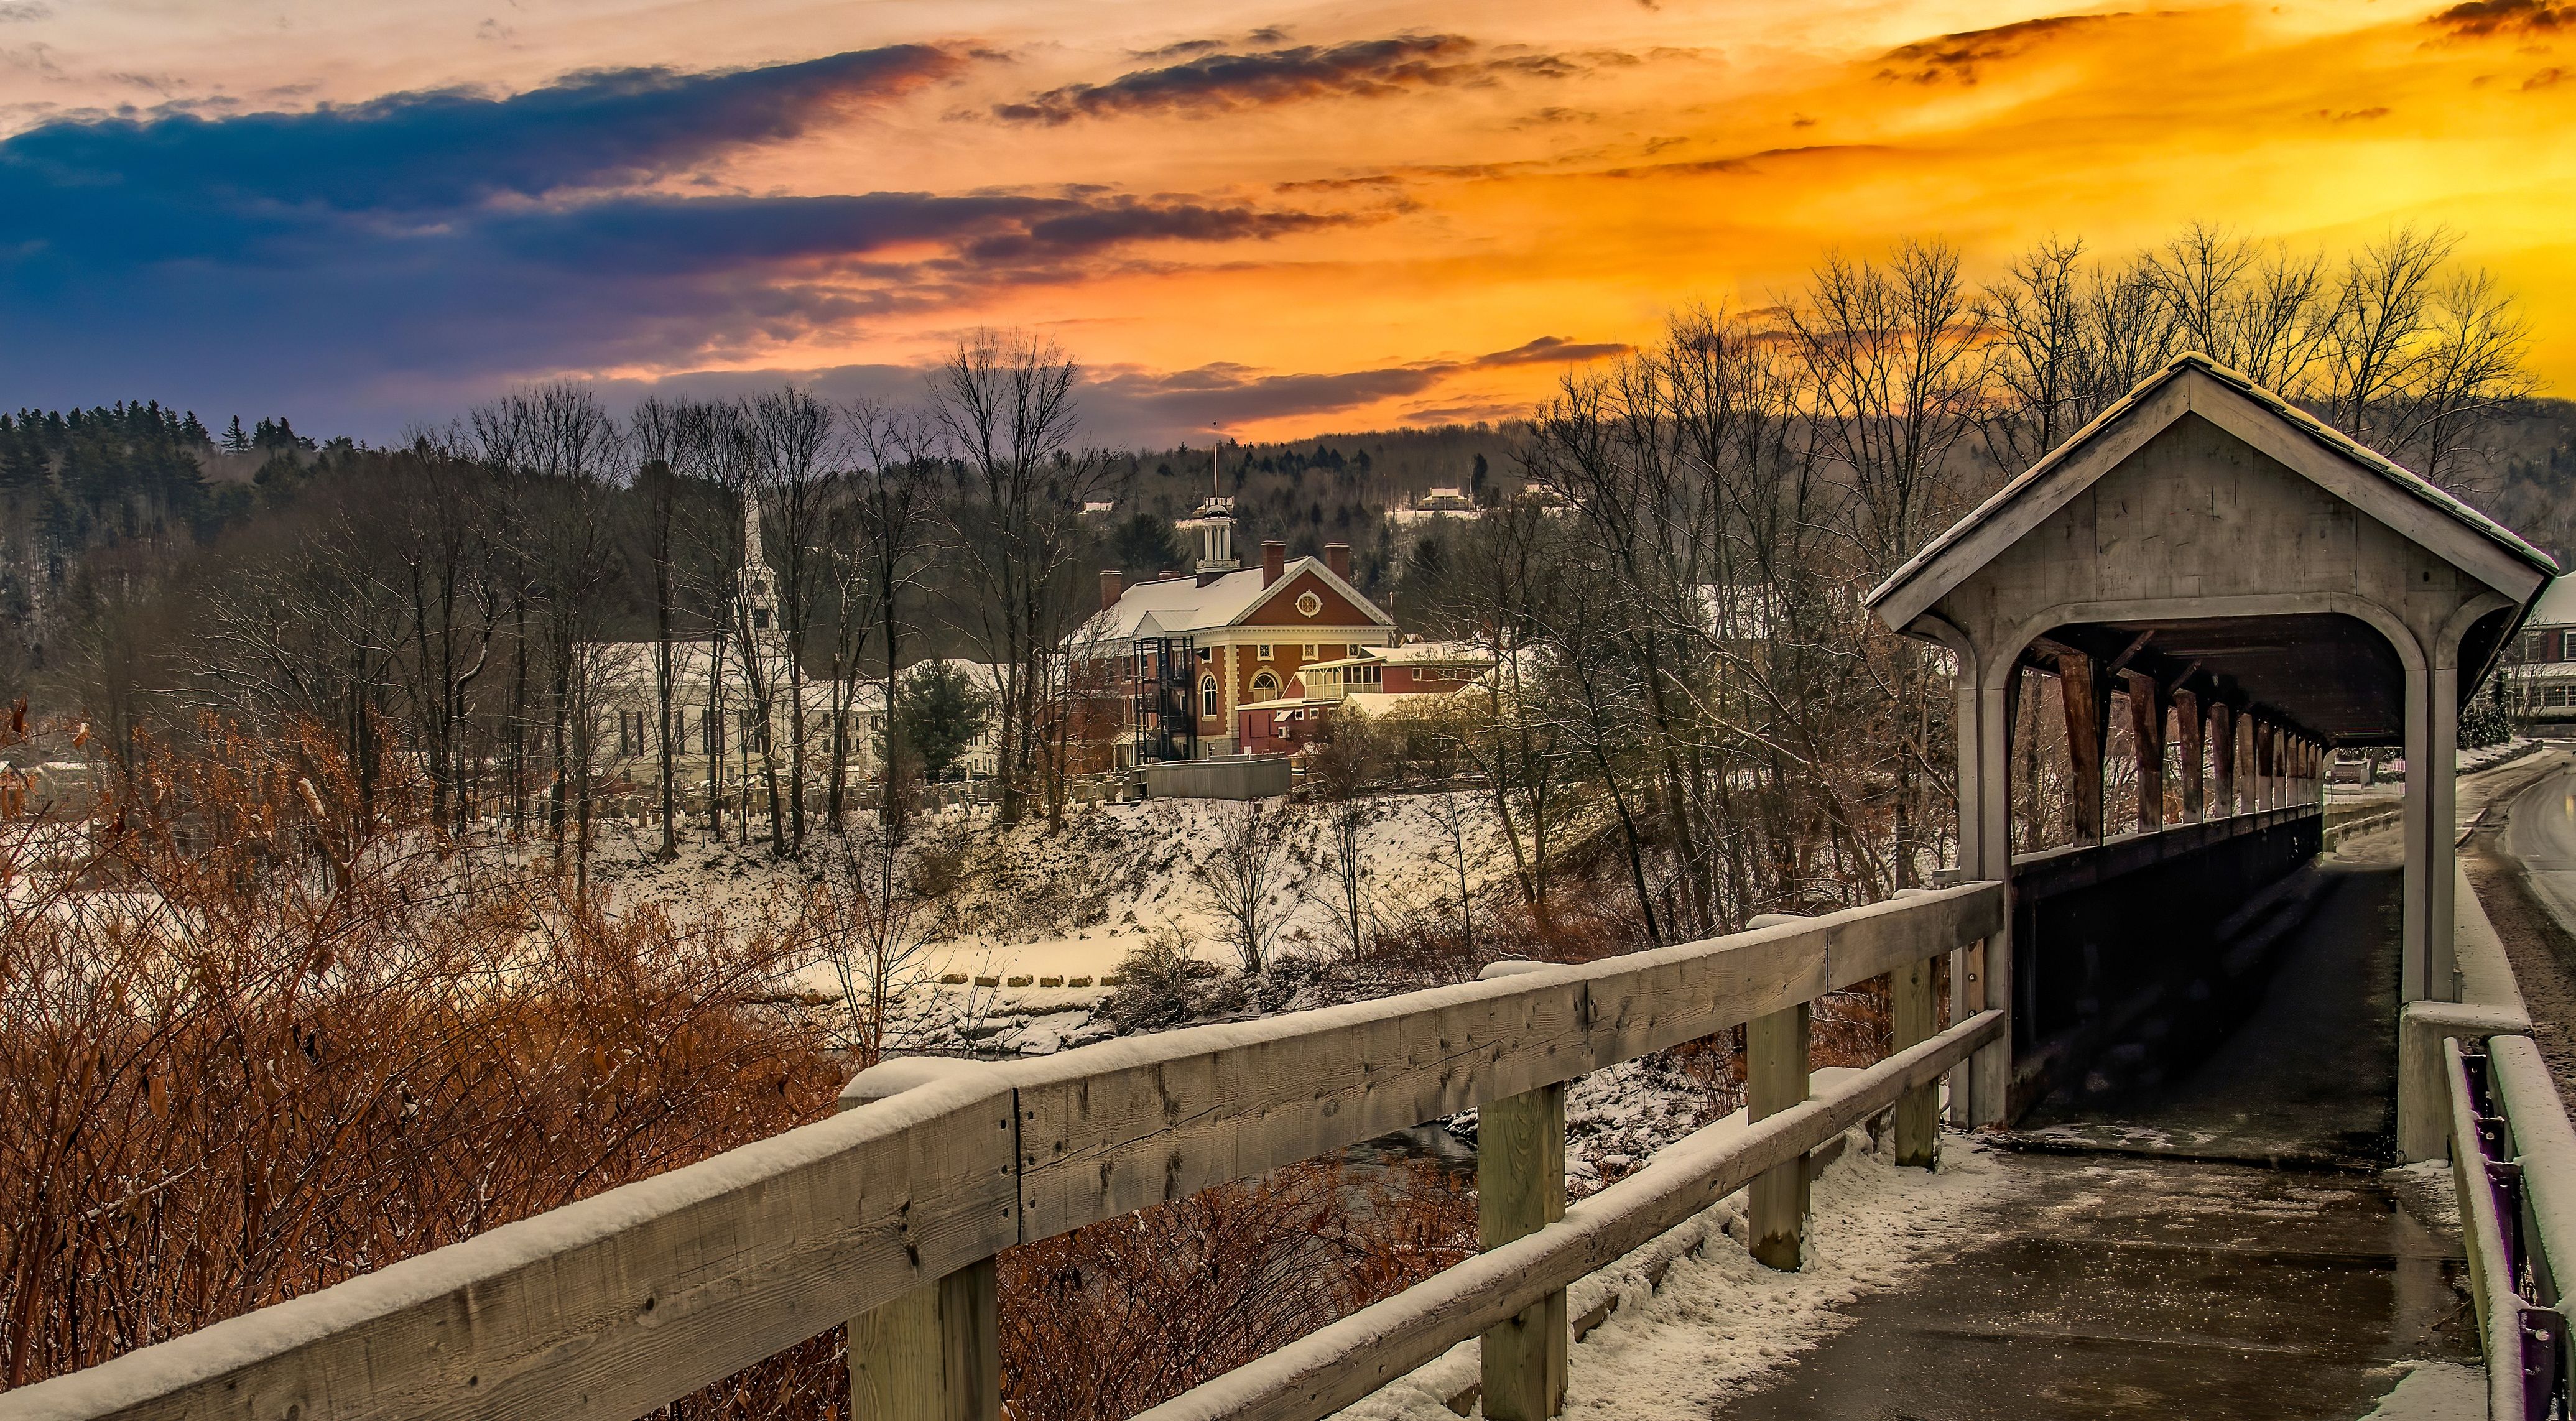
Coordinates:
[759,587]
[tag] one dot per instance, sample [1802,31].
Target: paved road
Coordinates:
[2540,830]
[2523,865]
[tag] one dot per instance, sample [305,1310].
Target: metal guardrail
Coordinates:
[2510,1145]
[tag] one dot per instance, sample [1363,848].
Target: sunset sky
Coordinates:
[1282,219]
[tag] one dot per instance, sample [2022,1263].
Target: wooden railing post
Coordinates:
[1912,1011]
[2223,731]
[1520,1189]
[2147,744]
[2080,697]
[934,1354]
[1775,1079]
[2187,714]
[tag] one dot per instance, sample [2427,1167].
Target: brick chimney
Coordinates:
[1337,556]
[1274,561]
[1109,588]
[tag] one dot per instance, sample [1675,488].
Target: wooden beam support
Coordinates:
[2121,662]
[1520,1189]
[2078,693]
[2222,756]
[932,1355]
[1912,1013]
[2187,731]
[2147,740]
[1775,1079]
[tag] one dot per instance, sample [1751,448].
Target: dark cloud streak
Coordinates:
[1960,58]
[427,151]
[1213,83]
[2481,19]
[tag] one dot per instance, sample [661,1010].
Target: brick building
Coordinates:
[1369,681]
[1165,665]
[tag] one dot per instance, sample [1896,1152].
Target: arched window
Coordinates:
[1265,687]
[1207,697]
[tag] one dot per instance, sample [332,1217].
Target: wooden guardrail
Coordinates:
[888,1216]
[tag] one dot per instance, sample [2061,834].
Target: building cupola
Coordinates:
[1215,524]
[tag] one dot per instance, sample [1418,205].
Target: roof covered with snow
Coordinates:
[1434,653]
[1179,606]
[2557,604]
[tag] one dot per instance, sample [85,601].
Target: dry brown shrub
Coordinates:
[1113,1318]
[256,1039]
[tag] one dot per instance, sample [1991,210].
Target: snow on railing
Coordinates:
[889,1215]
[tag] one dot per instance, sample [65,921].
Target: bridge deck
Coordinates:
[2161,1265]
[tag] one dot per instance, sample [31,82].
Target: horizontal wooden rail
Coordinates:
[1114,1127]
[612,1306]
[2047,873]
[1331,1368]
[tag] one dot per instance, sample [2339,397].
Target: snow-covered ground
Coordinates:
[2394,785]
[1027,906]
[1721,1323]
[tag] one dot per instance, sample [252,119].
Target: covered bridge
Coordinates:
[2210,548]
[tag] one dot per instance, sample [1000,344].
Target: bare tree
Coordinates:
[2041,362]
[1897,384]
[2253,306]
[890,513]
[561,448]
[664,436]
[1340,773]
[801,445]
[1244,878]
[440,571]
[745,473]
[1004,404]
[875,927]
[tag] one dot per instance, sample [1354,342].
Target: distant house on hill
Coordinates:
[1165,665]
[1438,502]
[2540,684]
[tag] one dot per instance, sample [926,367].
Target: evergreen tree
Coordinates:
[939,716]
